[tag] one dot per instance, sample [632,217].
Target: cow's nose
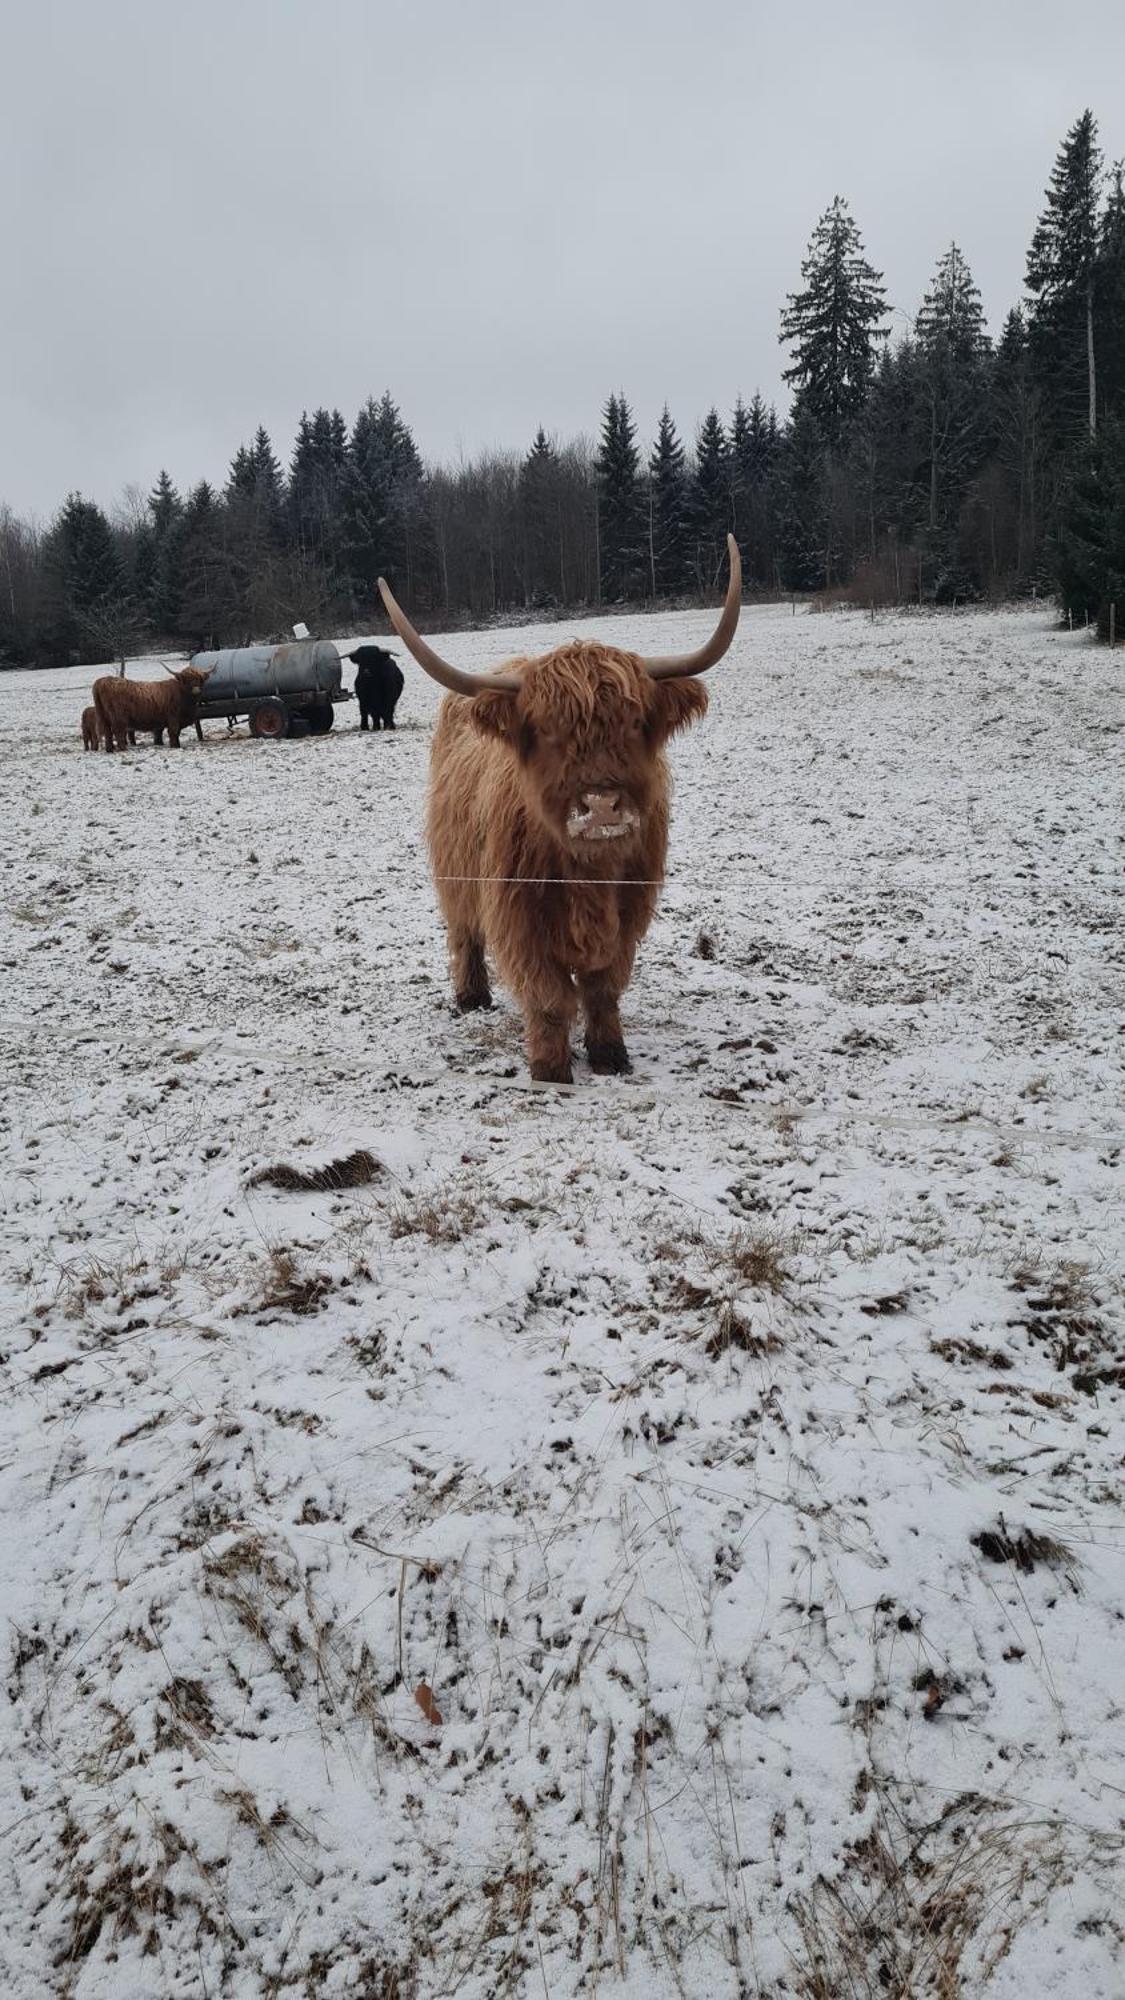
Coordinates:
[601,807]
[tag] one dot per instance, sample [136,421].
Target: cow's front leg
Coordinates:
[605,1042]
[470,971]
[548,1014]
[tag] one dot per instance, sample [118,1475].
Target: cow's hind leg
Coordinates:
[600,993]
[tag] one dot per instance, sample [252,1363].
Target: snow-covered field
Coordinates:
[731,1454]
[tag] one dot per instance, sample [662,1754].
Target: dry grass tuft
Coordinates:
[910,1905]
[1023,1548]
[1063,1314]
[734,1332]
[354,1170]
[121,1281]
[445,1215]
[133,1887]
[758,1257]
[286,1288]
[748,1261]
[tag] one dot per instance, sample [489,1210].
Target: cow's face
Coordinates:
[192,680]
[586,726]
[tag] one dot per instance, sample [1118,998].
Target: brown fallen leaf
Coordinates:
[424,1696]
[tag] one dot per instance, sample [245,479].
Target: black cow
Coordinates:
[378,684]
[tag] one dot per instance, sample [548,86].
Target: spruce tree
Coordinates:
[833,325]
[1061,270]
[166,511]
[164,504]
[740,468]
[209,599]
[667,511]
[952,355]
[1089,544]
[1109,301]
[1014,434]
[386,497]
[88,607]
[621,526]
[710,501]
[802,528]
[539,509]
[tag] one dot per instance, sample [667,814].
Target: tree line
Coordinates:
[931,463]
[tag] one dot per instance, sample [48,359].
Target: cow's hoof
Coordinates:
[608,1058]
[548,1072]
[473,1002]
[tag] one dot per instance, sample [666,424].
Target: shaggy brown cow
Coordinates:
[124,706]
[89,729]
[548,824]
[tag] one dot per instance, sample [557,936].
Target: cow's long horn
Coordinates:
[438,669]
[675,664]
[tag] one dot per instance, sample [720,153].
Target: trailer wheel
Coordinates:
[298,725]
[321,717]
[269,719]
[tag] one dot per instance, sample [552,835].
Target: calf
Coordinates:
[378,685]
[89,729]
[124,706]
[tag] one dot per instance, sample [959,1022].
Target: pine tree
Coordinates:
[952,352]
[802,529]
[387,498]
[710,509]
[1061,268]
[950,320]
[165,505]
[539,509]
[621,531]
[162,599]
[740,468]
[1109,298]
[207,590]
[1089,545]
[667,511]
[833,324]
[1015,432]
[321,491]
[88,607]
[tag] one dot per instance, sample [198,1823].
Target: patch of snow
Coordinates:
[734,1452]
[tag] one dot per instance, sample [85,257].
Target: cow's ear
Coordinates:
[494,714]
[676,704]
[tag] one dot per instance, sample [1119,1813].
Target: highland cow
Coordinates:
[89,729]
[548,824]
[125,706]
[378,685]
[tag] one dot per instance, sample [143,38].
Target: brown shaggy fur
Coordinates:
[506,770]
[89,729]
[124,706]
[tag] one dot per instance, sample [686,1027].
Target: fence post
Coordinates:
[1113,624]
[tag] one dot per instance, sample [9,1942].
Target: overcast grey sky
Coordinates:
[220,212]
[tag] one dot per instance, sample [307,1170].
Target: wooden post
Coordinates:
[1113,624]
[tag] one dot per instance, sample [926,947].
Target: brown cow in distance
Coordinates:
[548,824]
[124,706]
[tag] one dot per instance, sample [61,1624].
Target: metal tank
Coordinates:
[284,690]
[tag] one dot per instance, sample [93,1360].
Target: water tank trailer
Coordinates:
[286,690]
